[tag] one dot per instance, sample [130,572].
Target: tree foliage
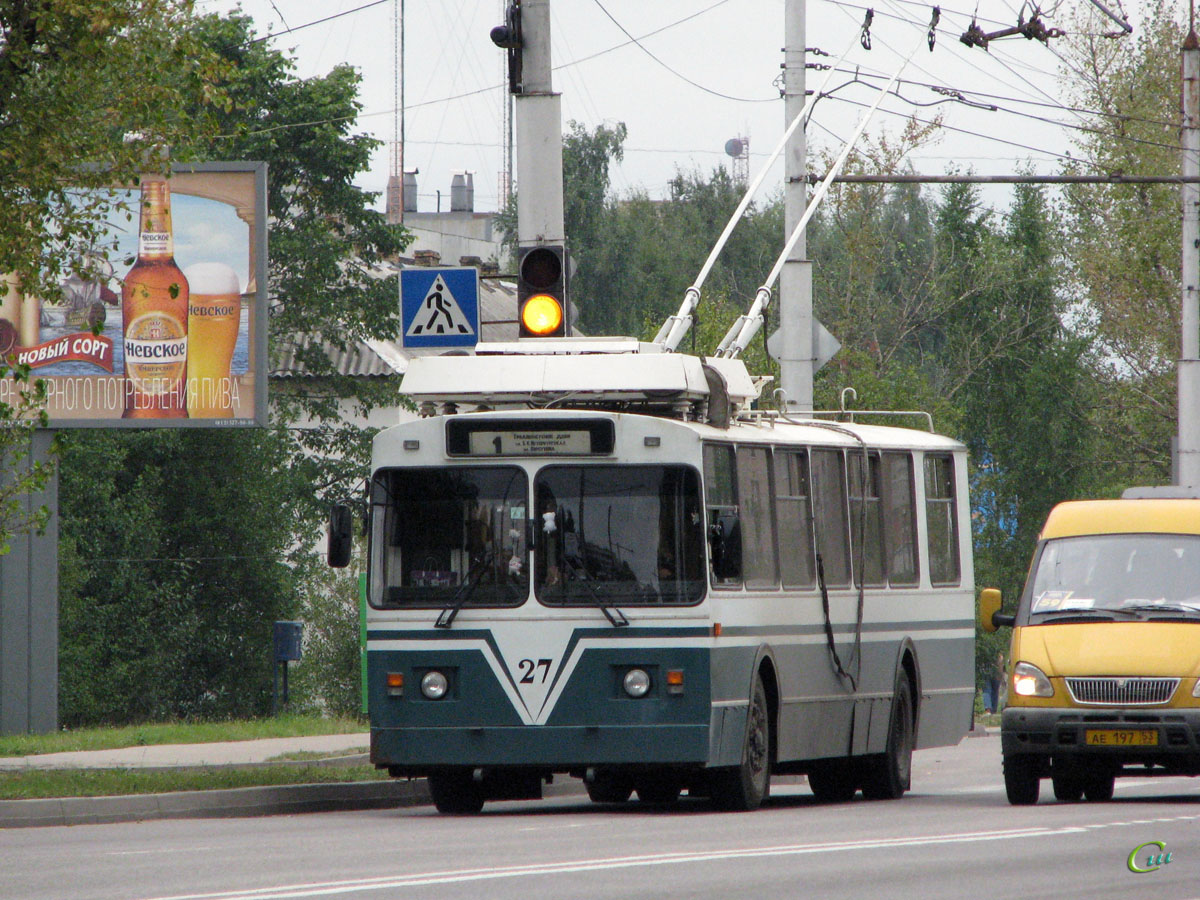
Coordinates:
[1124,240]
[22,409]
[89,93]
[182,547]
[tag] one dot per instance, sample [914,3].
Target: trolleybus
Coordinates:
[596,561]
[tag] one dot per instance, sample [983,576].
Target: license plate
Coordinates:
[1122,737]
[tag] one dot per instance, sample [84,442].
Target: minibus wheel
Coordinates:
[1098,786]
[1021,780]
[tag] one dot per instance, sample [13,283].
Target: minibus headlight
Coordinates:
[1030,681]
[434,685]
[637,683]
[1196,689]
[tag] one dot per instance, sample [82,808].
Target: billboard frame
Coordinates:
[257,318]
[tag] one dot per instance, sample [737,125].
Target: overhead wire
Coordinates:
[676,72]
[322,21]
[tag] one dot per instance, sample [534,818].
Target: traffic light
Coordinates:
[542,291]
[508,37]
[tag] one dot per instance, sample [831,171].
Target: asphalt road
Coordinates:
[953,836]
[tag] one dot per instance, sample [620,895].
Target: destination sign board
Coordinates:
[496,437]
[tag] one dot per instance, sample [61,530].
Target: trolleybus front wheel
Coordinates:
[456,792]
[744,787]
[609,787]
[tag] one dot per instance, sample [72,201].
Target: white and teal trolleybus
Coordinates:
[591,559]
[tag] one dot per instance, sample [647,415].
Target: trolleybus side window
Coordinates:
[622,535]
[829,511]
[436,532]
[721,503]
[899,526]
[942,520]
[866,518]
[755,508]
[793,512]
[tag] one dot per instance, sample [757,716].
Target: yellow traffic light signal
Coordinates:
[542,291]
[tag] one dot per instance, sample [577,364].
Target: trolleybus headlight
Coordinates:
[1030,681]
[434,685]
[637,683]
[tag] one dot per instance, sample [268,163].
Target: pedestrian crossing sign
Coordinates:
[439,307]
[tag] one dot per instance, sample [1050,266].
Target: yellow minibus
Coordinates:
[1103,675]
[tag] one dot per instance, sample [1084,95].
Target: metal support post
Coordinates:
[1188,444]
[795,281]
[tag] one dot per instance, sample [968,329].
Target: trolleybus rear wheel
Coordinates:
[833,780]
[660,788]
[887,777]
[745,786]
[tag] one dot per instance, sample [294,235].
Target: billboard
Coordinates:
[172,330]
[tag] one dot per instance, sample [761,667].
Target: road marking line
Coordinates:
[323,889]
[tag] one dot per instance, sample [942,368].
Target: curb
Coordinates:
[228,803]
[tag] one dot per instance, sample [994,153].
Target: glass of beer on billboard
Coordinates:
[214,315]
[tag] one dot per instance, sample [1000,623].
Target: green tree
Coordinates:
[89,91]
[22,410]
[184,546]
[1124,240]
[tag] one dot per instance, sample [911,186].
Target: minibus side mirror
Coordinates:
[990,617]
[341,535]
[725,545]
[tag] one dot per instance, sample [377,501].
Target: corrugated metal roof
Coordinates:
[378,358]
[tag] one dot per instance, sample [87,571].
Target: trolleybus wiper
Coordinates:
[446,618]
[573,572]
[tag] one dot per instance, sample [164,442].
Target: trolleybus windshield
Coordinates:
[628,535]
[436,532]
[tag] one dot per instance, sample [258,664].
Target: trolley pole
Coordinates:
[796,356]
[1187,469]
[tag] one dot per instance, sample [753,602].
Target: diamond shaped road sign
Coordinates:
[825,345]
[439,307]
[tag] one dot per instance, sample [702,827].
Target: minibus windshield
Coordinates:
[1115,574]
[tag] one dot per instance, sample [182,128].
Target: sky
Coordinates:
[700,73]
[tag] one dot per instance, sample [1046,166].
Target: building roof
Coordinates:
[381,358]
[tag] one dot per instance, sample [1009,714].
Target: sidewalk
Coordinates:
[192,755]
[254,801]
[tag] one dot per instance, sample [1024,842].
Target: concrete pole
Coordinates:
[796,357]
[29,614]
[1187,468]
[539,135]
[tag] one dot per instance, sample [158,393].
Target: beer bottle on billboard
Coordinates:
[154,304]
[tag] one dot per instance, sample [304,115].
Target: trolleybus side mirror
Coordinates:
[725,545]
[341,538]
[990,617]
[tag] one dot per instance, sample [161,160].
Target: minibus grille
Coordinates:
[1122,691]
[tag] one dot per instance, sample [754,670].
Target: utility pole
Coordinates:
[796,356]
[539,135]
[1187,469]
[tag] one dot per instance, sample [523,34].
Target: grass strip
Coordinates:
[29,784]
[176,733]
